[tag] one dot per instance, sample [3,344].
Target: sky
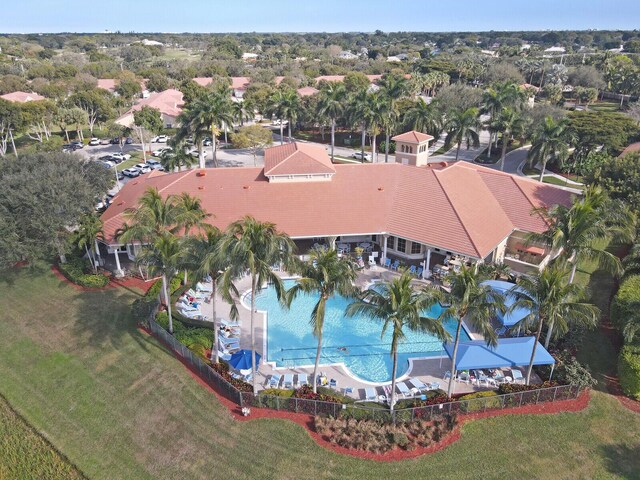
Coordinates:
[36,16]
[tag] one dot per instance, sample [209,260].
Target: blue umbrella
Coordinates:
[241,360]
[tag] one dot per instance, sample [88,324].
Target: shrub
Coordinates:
[154,291]
[277,392]
[626,302]
[506,388]
[569,371]
[475,405]
[306,392]
[77,270]
[392,147]
[629,370]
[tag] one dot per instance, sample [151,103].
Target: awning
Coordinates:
[510,352]
[530,249]
[511,317]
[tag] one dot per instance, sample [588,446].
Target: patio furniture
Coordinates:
[446,375]
[387,262]
[370,394]
[517,376]
[404,389]
[419,384]
[201,287]
[228,341]
[395,265]
[434,385]
[372,261]
[193,314]
[198,295]
[463,377]
[333,383]
[413,270]
[287,382]
[229,324]
[274,380]
[224,356]
[419,272]
[348,390]
[302,379]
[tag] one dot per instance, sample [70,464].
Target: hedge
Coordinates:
[626,301]
[477,405]
[629,370]
[74,270]
[154,291]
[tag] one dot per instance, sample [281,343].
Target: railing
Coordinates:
[355,410]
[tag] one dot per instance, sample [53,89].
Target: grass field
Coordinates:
[118,405]
[24,454]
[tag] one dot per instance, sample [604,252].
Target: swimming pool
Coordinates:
[354,341]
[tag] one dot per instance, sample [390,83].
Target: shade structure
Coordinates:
[511,317]
[241,360]
[510,352]
[530,249]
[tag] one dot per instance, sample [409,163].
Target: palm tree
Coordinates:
[324,274]
[471,301]
[275,107]
[425,118]
[579,231]
[176,159]
[399,306]
[190,215]
[331,103]
[492,102]
[255,247]
[551,300]
[463,126]
[360,114]
[163,257]
[290,107]
[510,123]
[239,112]
[392,87]
[550,141]
[89,232]
[208,259]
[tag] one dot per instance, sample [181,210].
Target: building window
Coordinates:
[374,238]
[416,248]
[391,243]
[402,245]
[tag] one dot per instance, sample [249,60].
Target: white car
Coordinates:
[160,139]
[143,167]
[279,122]
[131,172]
[121,156]
[160,151]
[360,156]
[94,141]
[154,164]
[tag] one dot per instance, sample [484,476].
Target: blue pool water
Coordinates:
[290,341]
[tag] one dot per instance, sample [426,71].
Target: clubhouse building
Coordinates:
[418,212]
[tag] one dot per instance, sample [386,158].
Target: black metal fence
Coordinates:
[356,410]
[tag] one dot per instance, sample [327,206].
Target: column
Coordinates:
[426,273]
[332,242]
[98,258]
[384,249]
[119,272]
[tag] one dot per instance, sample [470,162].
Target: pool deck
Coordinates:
[429,370]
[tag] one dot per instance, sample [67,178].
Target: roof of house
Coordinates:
[168,102]
[297,159]
[460,207]
[307,91]
[107,84]
[412,137]
[22,97]
[237,83]
[634,147]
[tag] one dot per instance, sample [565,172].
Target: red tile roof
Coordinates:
[22,97]
[297,159]
[634,147]
[461,207]
[412,137]
[307,91]
[168,102]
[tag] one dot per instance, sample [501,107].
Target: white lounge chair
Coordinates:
[274,380]
[201,287]
[185,306]
[370,394]
[517,376]
[403,389]
[194,314]
[228,323]
[226,356]
[302,379]
[228,341]
[288,380]
[419,385]
[194,294]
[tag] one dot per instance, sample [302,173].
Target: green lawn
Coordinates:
[26,454]
[118,405]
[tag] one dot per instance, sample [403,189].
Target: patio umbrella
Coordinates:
[241,360]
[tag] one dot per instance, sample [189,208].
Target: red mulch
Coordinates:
[125,282]
[307,421]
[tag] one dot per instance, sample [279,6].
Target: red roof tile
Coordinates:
[297,159]
[307,91]
[412,137]
[22,97]
[462,207]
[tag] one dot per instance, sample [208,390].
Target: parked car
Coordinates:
[108,163]
[160,151]
[143,167]
[154,164]
[279,122]
[120,176]
[94,141]
[100,206]
[121,156]
[115,141]
[131,172]
[160,139]
[128,141]
[105,141]
[207,142]
[360,156]
[77,145]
